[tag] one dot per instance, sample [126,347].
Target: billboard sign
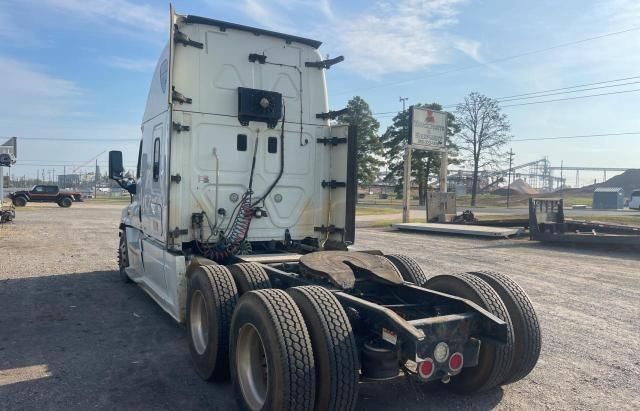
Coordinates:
[427,129]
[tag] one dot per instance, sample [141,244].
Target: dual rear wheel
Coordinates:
[283,350]
[504,298]
[295,349]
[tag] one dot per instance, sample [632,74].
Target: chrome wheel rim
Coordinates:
[199,322]
[252,367]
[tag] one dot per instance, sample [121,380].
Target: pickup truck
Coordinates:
[45,194]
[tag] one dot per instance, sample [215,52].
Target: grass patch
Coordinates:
[376,210]
[108,200]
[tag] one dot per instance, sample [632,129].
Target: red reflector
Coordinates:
[455,361]
[425,369]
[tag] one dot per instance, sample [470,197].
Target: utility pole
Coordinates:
[444,165]
[509,178]
[95,177]
[406,192]
[561,178]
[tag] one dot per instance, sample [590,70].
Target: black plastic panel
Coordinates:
[272,145]
[259,105]
[241,142]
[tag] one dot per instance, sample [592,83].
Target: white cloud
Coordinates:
[469,47]
[390,36]
[30,93]
[399,36]
[123,12]
[266,16]
[125,63]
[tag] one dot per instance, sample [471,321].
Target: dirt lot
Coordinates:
[72,336]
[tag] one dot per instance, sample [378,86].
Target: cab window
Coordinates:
[38,189]
[156,159]
[139,160]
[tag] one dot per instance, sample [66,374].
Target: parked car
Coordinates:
[634,201]
[45,194]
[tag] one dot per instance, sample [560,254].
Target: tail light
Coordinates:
[426,368]
[456,361]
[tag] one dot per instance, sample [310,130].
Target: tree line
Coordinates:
[477,132]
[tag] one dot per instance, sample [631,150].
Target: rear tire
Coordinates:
[334,348]
[271,354]
[526,328]
[211,299]
[494,361]
[65,202]
[123,257]
[409,268]
[20,201]
[249,277]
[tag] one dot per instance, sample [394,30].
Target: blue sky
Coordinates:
[81,68]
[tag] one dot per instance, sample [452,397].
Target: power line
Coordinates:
[545,101]
[79,139]
[570,87]
[498,60]
[573,98]
[630,133]
[540,92]
[504,99]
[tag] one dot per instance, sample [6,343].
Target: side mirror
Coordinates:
[116,169]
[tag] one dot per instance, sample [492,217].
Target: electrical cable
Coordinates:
[542,101]
[579,136]
[573,98]
[571,87]
[498,60]
[271,187]
[108,140]
[238,227]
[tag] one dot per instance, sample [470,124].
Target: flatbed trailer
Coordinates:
[242,215]
[547,223]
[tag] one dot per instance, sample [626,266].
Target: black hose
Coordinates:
[272,186]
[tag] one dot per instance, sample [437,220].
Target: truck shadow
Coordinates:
[79,341]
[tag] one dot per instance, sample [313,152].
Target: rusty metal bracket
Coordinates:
[334,141]
[180,128]
[331,115]
[177,232]
[330,229]
[333,184]
[179,97]
[180,37]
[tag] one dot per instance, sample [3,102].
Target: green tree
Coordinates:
[423,163]
[484,132]
[369,147]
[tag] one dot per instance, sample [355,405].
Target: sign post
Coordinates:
[427,131]
[406,189]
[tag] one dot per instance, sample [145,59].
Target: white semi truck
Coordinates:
[242,211]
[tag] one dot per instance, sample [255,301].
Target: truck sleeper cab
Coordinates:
[242,211]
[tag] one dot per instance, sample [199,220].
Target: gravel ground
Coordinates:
[72,336]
